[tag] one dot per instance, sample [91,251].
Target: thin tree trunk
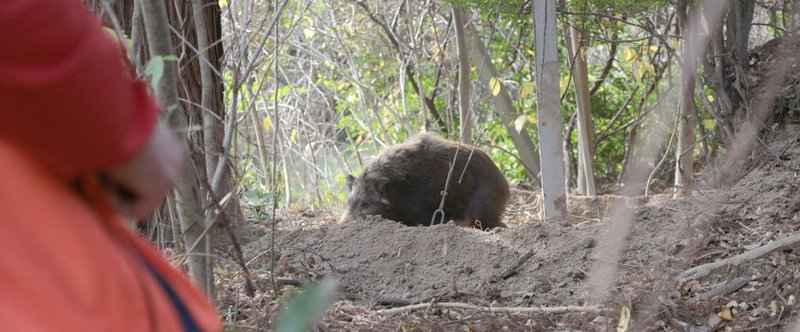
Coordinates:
[684,168]
[580,81]
[464,82]
[187,188]
[207,20]
[210,120]
[547,96]
[503,104]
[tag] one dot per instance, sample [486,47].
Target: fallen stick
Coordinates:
[701,271]
[511,270]
[727,288]
[455,305]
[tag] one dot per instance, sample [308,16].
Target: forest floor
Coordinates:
[380,264]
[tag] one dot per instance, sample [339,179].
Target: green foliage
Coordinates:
[155,68]
[348,87]
[257,204]
[304,308]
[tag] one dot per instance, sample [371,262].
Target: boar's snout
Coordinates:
[365,197]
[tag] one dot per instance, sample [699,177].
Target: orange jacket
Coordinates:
[68,108]
[66,267]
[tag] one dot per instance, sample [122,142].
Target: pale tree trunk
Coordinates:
[210,125]
[580,81]
[262,148]
[547,96]
[464,84]
[210,122]
[684,168]
[187,189]
[503,104]
[207,21]
[794,25]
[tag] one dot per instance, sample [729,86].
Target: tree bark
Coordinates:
[187,189]
[202,81]
[464,70]
[684,168]
[548,107]
[740,21]
[503,104]
[580,81]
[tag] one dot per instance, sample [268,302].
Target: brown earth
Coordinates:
[376,262]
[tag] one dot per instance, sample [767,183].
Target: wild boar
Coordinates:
[405,183]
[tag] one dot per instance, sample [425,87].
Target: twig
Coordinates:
[511,270]
[701,271]
[727,288]
[456,305]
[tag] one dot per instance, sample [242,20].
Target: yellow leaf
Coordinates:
[353,98]
[624,319]
[708,123]
[653,48]
[726,314]
[530,52]
[407,326]
[223,3]
[533,119]
[527,89]
[111,33]
[649,67]
[519,123]
[629,54]
[563,83]
[710,98]
[308,33]
[293,135]
[267,123]
[638,72]
[495,86]
[471,327]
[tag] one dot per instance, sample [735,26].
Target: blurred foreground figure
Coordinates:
[79,147]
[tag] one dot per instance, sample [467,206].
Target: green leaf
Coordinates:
[308,33]
[155,69]
[301,313]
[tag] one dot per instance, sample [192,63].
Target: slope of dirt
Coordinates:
[377,261]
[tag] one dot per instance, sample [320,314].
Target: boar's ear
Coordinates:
[349,182]
[380,185]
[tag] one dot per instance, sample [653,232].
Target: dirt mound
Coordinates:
[377,261]
[419,263]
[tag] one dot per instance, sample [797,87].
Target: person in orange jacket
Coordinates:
[72,116]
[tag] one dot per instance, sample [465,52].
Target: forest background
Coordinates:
[280,100]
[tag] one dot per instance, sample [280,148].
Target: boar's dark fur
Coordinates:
[405,183]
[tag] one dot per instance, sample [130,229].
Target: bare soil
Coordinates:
[381,264]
